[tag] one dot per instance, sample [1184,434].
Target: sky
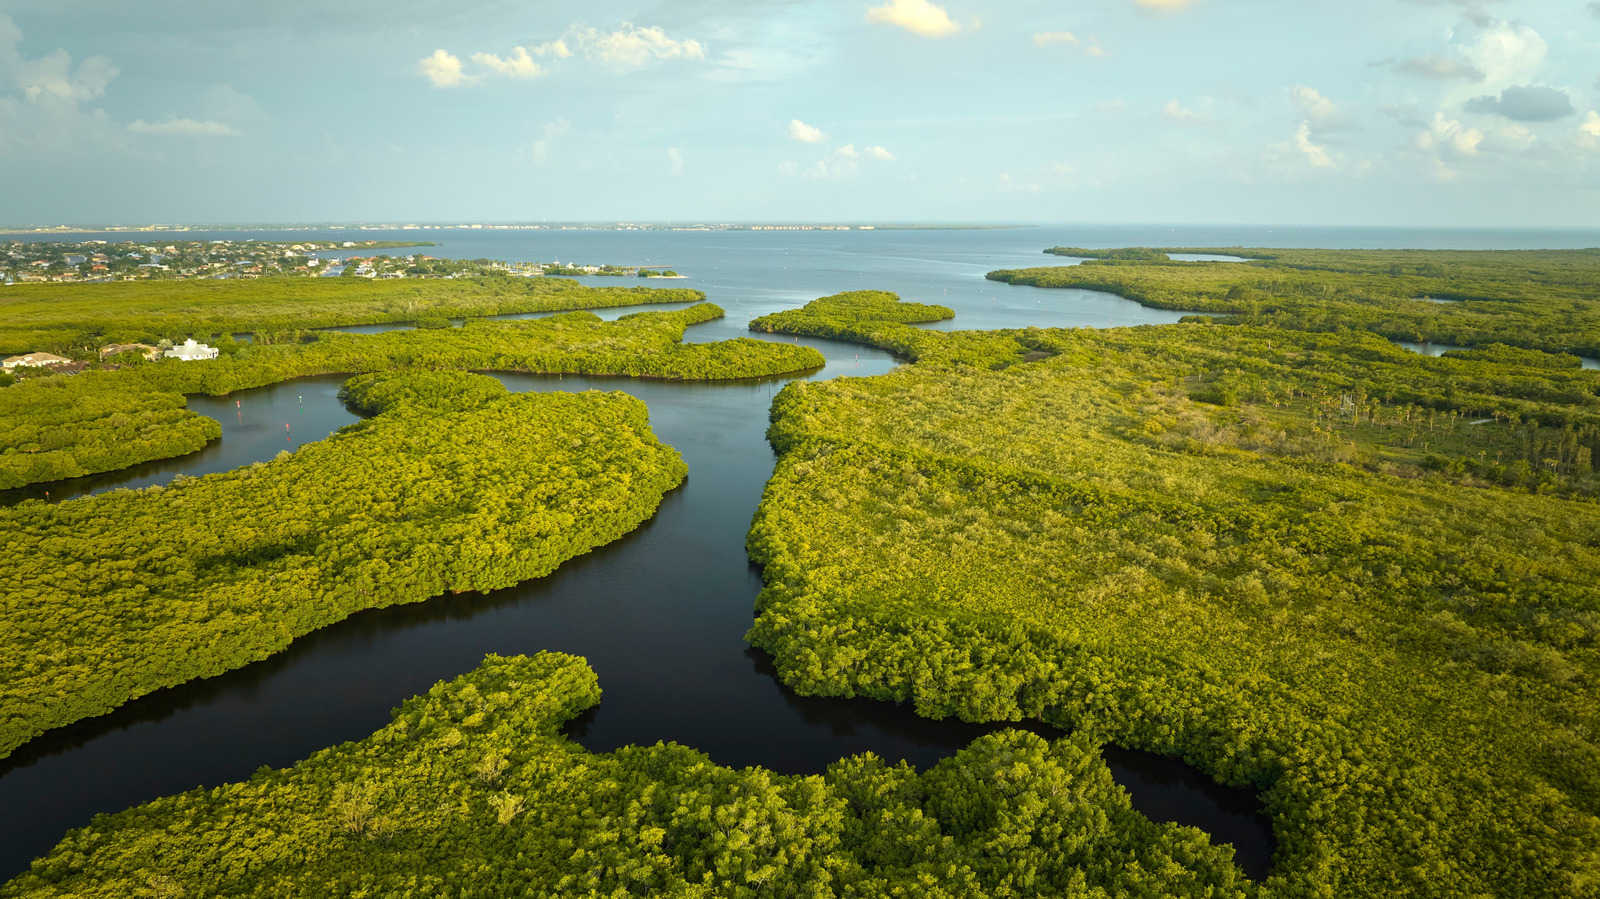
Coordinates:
[1359,112]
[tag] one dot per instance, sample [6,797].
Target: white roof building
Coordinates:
[37,360]
[191,351]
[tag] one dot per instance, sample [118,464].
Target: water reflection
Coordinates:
[1426,348]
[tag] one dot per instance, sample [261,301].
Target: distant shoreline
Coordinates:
[135,232]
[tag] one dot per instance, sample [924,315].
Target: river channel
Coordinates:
[660,614]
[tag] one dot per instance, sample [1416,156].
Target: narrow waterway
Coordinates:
[256,425]
[660,615]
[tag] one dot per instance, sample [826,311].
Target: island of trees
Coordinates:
[64,426]
[471,791]
[1307,561]
[1362,581]
[455,485]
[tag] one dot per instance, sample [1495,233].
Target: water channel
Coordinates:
[660,615]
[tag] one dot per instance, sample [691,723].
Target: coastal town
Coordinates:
[100,261]
[156,229]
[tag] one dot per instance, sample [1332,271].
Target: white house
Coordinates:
[191,351]
[36,360]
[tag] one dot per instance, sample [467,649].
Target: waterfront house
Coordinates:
[33,360]
[191,351]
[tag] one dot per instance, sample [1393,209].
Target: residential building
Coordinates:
[33,360]
[191,351]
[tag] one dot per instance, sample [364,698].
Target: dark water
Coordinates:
[256,425]
[660,615]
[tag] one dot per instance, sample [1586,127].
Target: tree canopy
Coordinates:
[456,485]
[1067,525]
[471,791]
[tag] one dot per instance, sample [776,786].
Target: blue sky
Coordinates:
[1394,112]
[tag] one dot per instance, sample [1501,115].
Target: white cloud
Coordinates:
[1589,132]
[1314,154]
[1448,136]
[628,47]
[1165,5]
[1046,38]
[915,16]
[51,77]
[1116,104]
[804,133]
[538,152]
[444,70]
[177,127]
[40,98]
[1446,141]
[1508,53]
[631,47]
[557,48]
[675,160]
[517,64]
[1442,68]
[843,162]
[1320,112]
[1176,111]
[880,153]
[788,169]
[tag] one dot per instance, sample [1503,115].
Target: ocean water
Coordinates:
[752,273]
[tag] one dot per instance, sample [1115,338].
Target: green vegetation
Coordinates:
[106,598]
[1139,254]
[471,791]
[1155,537]
[1361,581]
[851,308]
[864,316]
[76,320]
[1535,299]
[67,426]
[440,391]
